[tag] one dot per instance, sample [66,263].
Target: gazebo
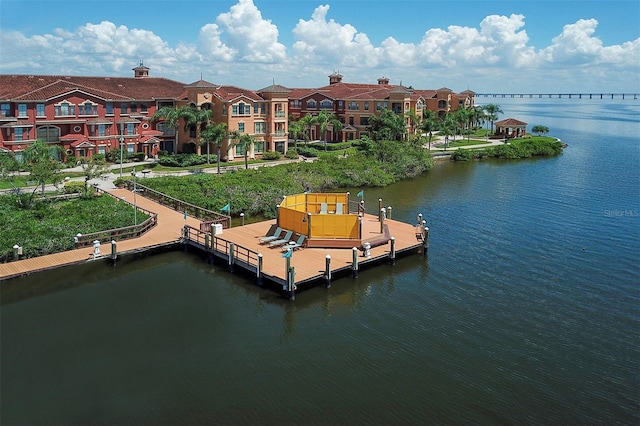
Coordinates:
[511,128]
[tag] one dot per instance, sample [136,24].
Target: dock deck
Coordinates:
[172,228]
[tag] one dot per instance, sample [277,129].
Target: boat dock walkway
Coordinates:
[268,263]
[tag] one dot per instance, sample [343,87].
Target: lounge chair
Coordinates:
[294,245]
[339,208]
[323,208]
[281,241]
[273,237]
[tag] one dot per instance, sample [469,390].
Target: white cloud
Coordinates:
[240,44]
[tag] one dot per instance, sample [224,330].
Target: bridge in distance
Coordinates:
[560,95]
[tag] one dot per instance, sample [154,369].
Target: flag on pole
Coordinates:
[360,194]
[287,254]
[226,208]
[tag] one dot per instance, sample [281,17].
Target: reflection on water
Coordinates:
[526,311]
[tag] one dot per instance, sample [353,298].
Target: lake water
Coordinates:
[525,311]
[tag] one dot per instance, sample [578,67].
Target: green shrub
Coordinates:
[291,154]
[98,157]
[307,151]
[182,160]
[271,155]
[138,156]
[73,187]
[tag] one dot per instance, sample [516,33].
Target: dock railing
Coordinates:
[84,240]
[221,246]
[206,216]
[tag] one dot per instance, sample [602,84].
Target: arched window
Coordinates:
[48,134]
[326,104]
[312,104]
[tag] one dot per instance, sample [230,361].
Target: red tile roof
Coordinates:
[510,122]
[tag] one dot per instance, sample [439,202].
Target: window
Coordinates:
[133,108]
[419,106]
[241,127]
[326,104]
[48,134]
[442,104]
[312,104]
[19,133]
[40,110]
[131,148]
[131,128]
[354,106]
[22,110]
[259,108]
[258,147]
[296,104]
[366,106]
[260,127]
[124,106]
[381,105]
[341,104]
[5,110]
[102,130]
[364,121]
[64,109]
[224,109]
[88,108]
[239,150]
[144,107]
[241,109]
[102,149]
[109,108]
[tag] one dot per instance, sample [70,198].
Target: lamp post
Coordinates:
[121,144]
[135,205]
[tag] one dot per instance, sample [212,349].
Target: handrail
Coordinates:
[181,206]
[124,233]
[218,244]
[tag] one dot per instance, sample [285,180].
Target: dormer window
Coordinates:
[326,104]
[64,109]
[88,108]
[312,104]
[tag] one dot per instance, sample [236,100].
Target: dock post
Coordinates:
[383,214]
[259,270]
[419,219]
[291,274]
[232,250]
[16,252]
[389,212]
[354,262]
[425,241]
[327,272]
[206,242]
[380,209]
[114,252]
[392,252]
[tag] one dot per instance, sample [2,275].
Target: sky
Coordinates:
[506,46]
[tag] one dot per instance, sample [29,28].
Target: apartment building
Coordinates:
[96,115]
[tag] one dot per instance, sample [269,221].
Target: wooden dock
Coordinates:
[267,263]
[310,264]
[167,231]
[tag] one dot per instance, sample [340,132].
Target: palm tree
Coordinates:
[448,125]
[307,121]
[244,142]
[296,129]
[325,119]
[172,117]
[214,134]
[428,124]
[492,111]
[196,118]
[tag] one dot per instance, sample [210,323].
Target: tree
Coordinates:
[492,111]
[9,166]
[244,142]
[295,130]
[429,124]
[307,121]
[39,161]
[325,119]
[387,126]
[215,134]
[93,169]
[538,129]
[196,118]
[448,125]
[172,116]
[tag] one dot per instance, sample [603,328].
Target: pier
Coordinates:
[239,248]
[560,95]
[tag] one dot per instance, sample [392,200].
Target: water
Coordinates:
[526,311]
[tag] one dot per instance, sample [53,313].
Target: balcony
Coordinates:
[279,114]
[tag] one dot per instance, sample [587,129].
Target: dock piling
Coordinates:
[392,252]
[354,262]
[327,272]
[425,241]
[231,256]
[259,270]
[114,252]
